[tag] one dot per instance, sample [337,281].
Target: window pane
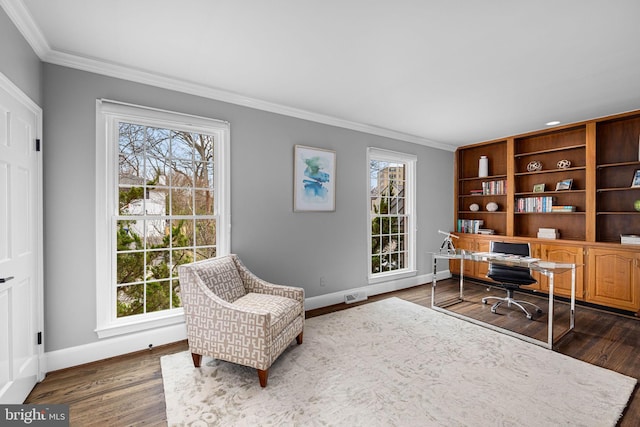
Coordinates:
[130,267]
[158,142]
[203,175]
[205,253]
[182,146]
[205,232]
[204,202]
[158,297]
[130,300]
[176,298]
[131,143]
[179,257]
[181,233]
[158,265]
[203,147]
[181,201]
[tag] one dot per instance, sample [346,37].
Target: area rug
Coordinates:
[395,363]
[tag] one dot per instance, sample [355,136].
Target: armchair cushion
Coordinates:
[283,310]
[223,279]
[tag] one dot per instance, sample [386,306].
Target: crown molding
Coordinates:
[22,19]
[19,14]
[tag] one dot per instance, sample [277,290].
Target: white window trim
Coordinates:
[108,112]
[410,208]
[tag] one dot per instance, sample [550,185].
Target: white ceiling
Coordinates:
[438,72]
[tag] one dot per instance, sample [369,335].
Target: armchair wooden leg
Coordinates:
[299,338]
[197,358]
[263,376]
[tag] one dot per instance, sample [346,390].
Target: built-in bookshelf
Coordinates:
[569,193]
[551,166]
[617,160]
[475,191]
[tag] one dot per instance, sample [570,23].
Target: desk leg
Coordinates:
[550,313]
[433,282]
[573,298]
[462,278]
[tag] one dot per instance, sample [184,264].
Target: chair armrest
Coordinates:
[253,283]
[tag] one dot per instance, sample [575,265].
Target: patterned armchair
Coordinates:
[233,315]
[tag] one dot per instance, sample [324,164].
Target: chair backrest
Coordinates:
[508,274]
[521,249]
[221,276]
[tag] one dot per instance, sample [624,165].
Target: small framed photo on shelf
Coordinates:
[538,188]
[565,184]
[636,179]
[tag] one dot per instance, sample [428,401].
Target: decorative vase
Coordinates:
[564,164]
[483,167]
[534,166]
[474,207]
[636,205]
[492,206]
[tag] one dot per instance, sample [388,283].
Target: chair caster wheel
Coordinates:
[484,301]
[539,311]
[529,316]
[493,310]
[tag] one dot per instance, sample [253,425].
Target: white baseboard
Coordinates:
[374,289]
[110,347]
[117,346]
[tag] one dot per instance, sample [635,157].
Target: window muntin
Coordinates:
[164,179]
[391,213]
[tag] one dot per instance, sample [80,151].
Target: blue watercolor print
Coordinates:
[314,187]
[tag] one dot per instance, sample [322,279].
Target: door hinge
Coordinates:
[37,144]
[39,338]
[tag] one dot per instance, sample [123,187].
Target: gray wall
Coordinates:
[276,243]
[18,61]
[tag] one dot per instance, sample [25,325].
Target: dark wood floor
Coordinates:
[128,390]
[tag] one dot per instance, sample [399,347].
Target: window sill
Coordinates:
[123,327]
[392,275]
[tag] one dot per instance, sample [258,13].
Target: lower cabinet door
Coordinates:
[614,278]
[562,281]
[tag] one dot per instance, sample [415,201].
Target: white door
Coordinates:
[20,244]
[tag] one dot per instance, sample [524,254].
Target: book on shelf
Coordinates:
[534,204]
[548,233]
[485,231]
[469,225]
[560,208]
[494,187]
[630,239]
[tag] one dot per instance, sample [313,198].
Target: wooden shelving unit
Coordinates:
[617,158]
[604,157]
[469,181]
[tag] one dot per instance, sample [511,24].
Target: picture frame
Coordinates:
[314,179]
[538,188]
[636,179]
[565,184]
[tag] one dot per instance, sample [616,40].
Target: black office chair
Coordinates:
[510,278]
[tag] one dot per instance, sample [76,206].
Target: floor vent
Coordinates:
[355,297]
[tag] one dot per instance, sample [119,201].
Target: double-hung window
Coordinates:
[162,201]
[391,225]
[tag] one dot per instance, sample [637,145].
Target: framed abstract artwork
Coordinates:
[314,179]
